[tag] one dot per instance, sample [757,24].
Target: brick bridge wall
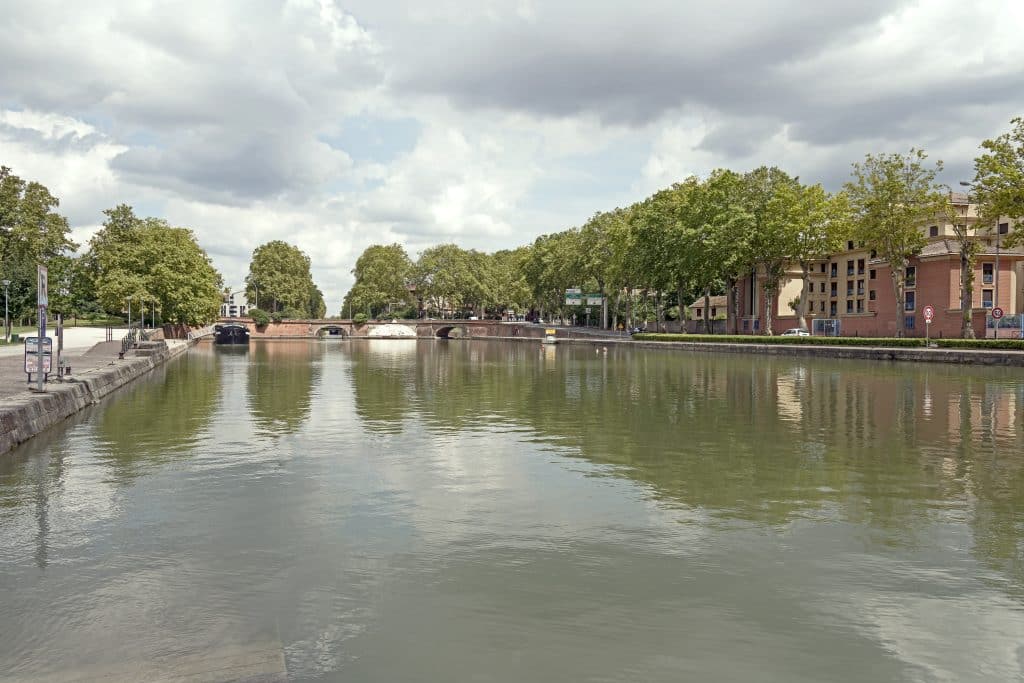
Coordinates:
[305,329]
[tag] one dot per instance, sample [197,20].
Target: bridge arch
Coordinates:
[452,332]
[331,331]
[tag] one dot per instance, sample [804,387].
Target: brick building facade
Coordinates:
[853,289]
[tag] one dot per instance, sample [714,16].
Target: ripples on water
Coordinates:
[401,510]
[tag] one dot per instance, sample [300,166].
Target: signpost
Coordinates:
[997,315]
[37,361]
[43,301]
[574,297]
[929,314]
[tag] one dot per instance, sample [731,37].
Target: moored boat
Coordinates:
[231,333]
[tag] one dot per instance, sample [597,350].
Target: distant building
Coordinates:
[853,288]
[235,305]
[719,306]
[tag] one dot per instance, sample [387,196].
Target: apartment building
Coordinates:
[234,305]
[853,289]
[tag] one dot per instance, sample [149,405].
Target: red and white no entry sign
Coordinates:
[929,313]
[997,313]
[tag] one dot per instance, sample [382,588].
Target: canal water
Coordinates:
[488,511]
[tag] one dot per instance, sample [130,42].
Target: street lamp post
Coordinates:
[7,327]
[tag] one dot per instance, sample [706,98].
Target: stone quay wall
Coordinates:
[27,414]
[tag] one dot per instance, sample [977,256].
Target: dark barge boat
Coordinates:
[231,333]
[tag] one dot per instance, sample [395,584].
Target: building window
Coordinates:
[849,245]
[832,309]
[910,301]
[860,288]
[871,295]
[1004,228]
[822,288]
[714,312]
[849,288]
[823,268]
[849,267]
[911,276]
[746,325]
[910,322]
[849,305]
[986,298]
[874,253]
[986,273]
[933,231]
[822,307]
[834,271]
[860,266]
[871,274]
[835,291]
[860,305]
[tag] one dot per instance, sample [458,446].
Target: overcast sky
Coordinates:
[334,125]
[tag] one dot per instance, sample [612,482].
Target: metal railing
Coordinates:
[200,333]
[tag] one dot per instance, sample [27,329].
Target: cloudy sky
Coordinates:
[334,124]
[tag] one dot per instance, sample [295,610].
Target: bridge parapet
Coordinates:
[421,329]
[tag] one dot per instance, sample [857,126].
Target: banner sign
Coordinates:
[594,299]
[42,286]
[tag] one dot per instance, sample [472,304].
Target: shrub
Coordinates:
[993,344]
[293,314]
[763,339]
[359,318]
[259,316]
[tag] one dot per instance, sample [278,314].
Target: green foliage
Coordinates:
[149,262]
[293,314]
[804,341]
[999,179]
[891,196]
[360,318]
[280,277]
[992,344]
[259,316]
[383,274]
[32,232]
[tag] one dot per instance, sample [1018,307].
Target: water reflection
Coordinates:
[766,442]
[282,377]
[450,510]
[132,436]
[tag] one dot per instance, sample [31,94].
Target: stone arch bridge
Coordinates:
[388,329]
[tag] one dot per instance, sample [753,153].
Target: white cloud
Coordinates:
[234,118]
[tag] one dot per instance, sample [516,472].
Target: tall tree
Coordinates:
[892,196]
[383,273]
[999,179]
[31,232]
[154,264]
[816,223]
[772,235]
[279,278]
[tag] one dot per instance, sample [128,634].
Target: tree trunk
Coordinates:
[604,305]
[682,309]
[769,303]
[735,290]
[802,312]
[966,294]
[899,276]
[629,307]
[707,311]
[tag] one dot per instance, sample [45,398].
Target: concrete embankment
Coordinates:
[25,414]
[917,355]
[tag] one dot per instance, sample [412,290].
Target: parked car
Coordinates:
[796,332]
